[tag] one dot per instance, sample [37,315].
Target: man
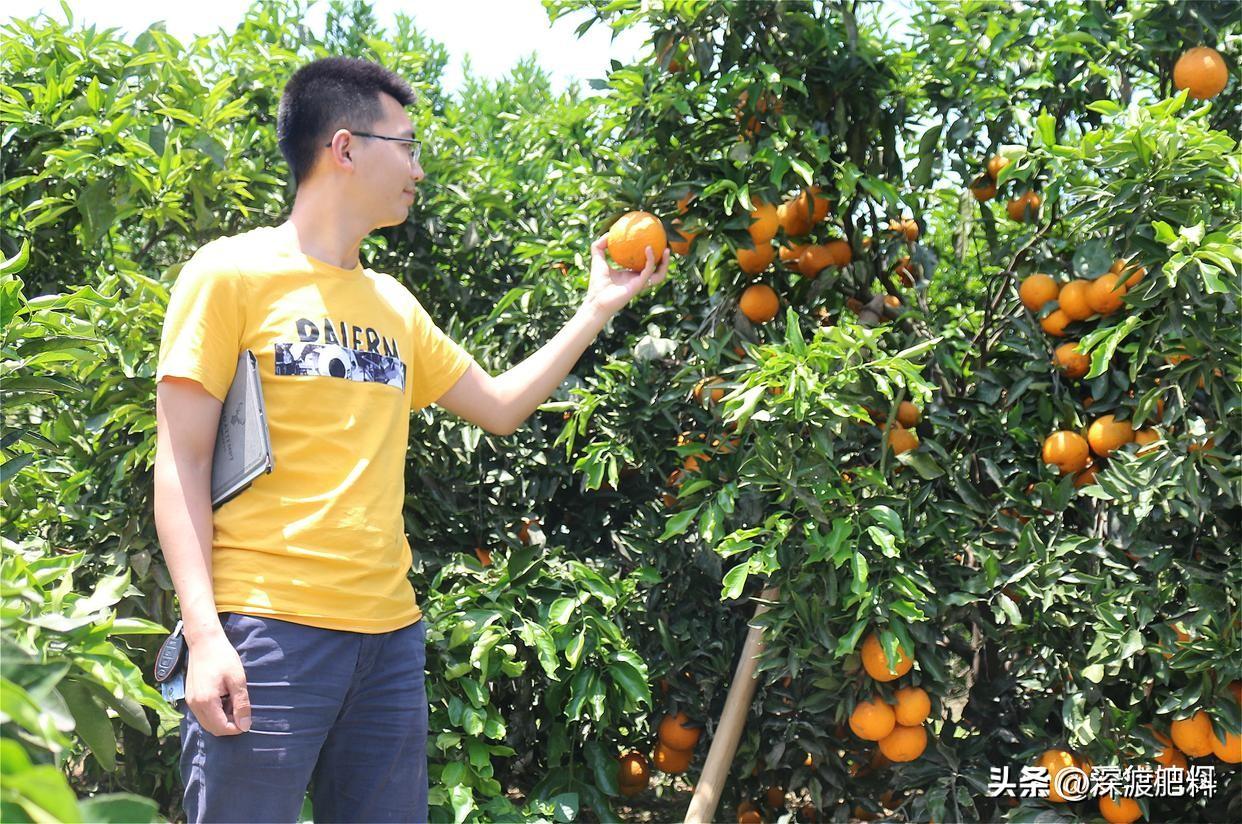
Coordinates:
[305,641]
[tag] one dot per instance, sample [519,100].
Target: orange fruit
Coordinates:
[763,223]
[872,720]
[790,254]
[759,303]
[903,271]
[1054,761]
[1208,444]
[1087,476]
[633,771]
[484,555]
[669,760]
[794,217]
[1107,433]
[913,706]
[775,797]
[1104,295]
[904,743]
[1228,750]
[908,414]
[907,228]
[892,301]
[1236,688]
[1037,290]
[876,663]
[716,394]
[682,247]
[524,532]
[1067,450]
[1146,436]
[754,261]
[1201,70]
[1025,207]
[1135,272]
[840,251]
[684,203]
[995,164]
[1072,363]
[1054,324]
[675,734]
[1121,810]
[749,817]
[813,259]
[1193,735]
[901,440]
[983,188]
[630,236]
[1073,300]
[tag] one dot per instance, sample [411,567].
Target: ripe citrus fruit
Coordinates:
[683,203]
[790,254]
[1055,322]
[1037,290]
[633,772]
[671,761]
[630,236]
[904,743]
[1236,688]
[1054,761]
[907,228]
[484,555]
[877,665]
[759,303]
[1072,363]
[1067,450]
[754,261]
[1025,207]
[1230,749]
[1119,811]
[682,247]
[763,223]
[813,259]
[908,414]
[1087,476]
[775,797]
[1104,295]
[983,189]
[913,706]
[995,164]
[794,217]
[840,251]
[749,817]
[901,440]
[1107,433]
[675,734]
[1193,735]
[872,720]
[716,394]
[1073,300]
[1201,70]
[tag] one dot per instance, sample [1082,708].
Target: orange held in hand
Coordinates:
[630,236]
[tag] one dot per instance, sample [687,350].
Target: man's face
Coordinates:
[384,177]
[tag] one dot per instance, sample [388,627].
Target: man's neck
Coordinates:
[325,230]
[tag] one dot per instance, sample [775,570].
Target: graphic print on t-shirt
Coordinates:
[334,358]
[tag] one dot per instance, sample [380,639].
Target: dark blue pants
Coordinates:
[342,712]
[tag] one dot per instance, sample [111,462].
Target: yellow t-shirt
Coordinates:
[344,357]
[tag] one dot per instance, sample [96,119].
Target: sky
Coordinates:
[494,34]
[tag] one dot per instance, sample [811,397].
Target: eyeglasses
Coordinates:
[416,147]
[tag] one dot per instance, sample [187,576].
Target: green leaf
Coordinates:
[92,722]
[735,581]
[97,209]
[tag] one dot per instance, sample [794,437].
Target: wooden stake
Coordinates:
[732,719]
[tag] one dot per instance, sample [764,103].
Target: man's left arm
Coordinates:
[501,404]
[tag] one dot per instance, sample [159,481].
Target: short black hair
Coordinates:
[329,94]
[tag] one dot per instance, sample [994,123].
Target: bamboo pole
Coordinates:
[732,719]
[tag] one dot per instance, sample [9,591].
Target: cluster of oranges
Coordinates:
[898,729]
[1192,736]
[673,752]
[1022,208]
